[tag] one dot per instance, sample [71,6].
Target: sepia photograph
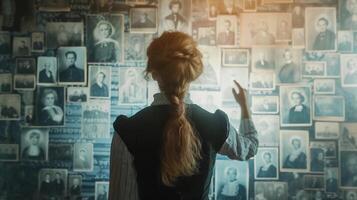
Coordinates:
[348,14]
[314,182]
[59,34]
[95,119]
[298,38]
[135,46]
[250,5]
[21,46]
[10,106]
[204,33]
[287,65]
[5,43]
[38,42]
[46,70]
[9,152]
[265,190]
[262,81]
[74,186]
[175,15]
[263,59]
[5,83]
[101,190]
[345,41]
[235,57]
[347,164]
[298,16]
[294,151]
[213,10]
[331,177]
[266,164]
[324,86]
[77,94]
[227,75]
[313,69]
[350,194]
[329,108]
[100,81]
[52,183]
[349,70]
[83,157]
[24,82]
[295,105]
[72,65]
[226,29]
[60,152]
[25,66]
[268,128]
[132,86]
[265,104]
[34,143]
[348,136]
[143,20]
[105,40]
[327,130]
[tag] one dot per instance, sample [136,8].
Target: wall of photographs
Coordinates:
[68,68]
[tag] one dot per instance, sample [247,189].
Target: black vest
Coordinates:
[142,134]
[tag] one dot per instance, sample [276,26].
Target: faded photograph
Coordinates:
[227,77]
[226,30]
[329,108]
[268,128]
[5,43]
[143,20]
[21,46]
[348,14]
[74,185]
[262,81]
[77,94]
[328,147]
[83,157]
[250,5]
[34,144]
[324,86]
[175,15]
[263,59]
[72,65]
[348,163]
[24,82]
[209,100]
[5,83]
[52,183]
[50,107]
[265,104]
[64,34]
[348,136]
[235,57]
[349,70]
[331,177]
[100,81]
[314,182]
[101,190]
[9,152]
[135,46]
[132,86]
[25,66]
[313,69]
[327,130]
[95,119]
[298,16]
[270,190]
[60,152]
[10,106]
[204,33]
[298,38]
[287,68]
[46,70]
[266,164]
[345,41]
[317,163]
[38,42]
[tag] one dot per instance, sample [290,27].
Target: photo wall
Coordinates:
[68,68]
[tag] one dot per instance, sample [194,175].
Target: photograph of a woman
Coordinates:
[50,110]
[34,144]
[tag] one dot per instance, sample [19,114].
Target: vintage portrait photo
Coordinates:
[5,83]
[314,182]
[329,108]
[347,164]
[320,28]
[132,86]
[327,130]
[101,190]
[38,42]
[29,115]
[83,157]
[250,5]
[324,86]
[100,81]
[24,82]
[60,152]
[265,104]
[227,75]
[345,41]
[77,94]
[328,147]
[105,37]
[135,46]
[10,106]
[235,57]
[5,43]
[226,29]
[231,179]
[175,15]
[348,14]
[349,70]
[95,119]
[204,32]
[74,185]
[34,143]
[294,151]
[50,106]
[266,164]
[263,59]
[331,177]
[348,136]
[313,69]
[143,20]
[317,162]
[64,34]
[9,152]
[270,190]
[21,46]
[25,66]
[46,70]
[52,183]
[287,65]
[298,38]
[72,65]
[295,105]
[268,128]
[262,81]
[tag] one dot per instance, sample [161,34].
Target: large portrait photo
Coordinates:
[34,144]
[100,81]
[175,15]
[266,164]
[64,34]
[46,70]
[72,65]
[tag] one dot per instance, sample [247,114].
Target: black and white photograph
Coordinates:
[213,9]
[175,15]
[287,65]
[231,180]
[9,152]
[267,164]
[328,147]
[298,38]
[314,182]
[235,57]
[5,43]
[276,1]
[348,172]
[329,108]
[317,162]
[228,7]
[143,20]
[29,115]
[100,81]
[74,186]
[83,157]
[95,119]
[204,34]
[135,46]
[5,83]
[295,105]
[34,143]
[348,136]
[250,5]
[313,69]
[24,82]
[21,46]
[268,128]
[77,94]
[72,65]
[38,42]
[294,151]
[227,75]
[345,41]
[132,86]
[25,66]
[52,183]
[324,86]
[349,70]
[327,130]
[263,59]
[265,190]
[284,30]
[10,107]
[46,70]
[348,15]
[226,29]
[64,34]
[101,190]
[60,152]
[262,81]
[350,194]
[50,107]
[265,104]
[320,27]
[331,177]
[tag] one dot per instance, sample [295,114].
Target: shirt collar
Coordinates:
[160,99]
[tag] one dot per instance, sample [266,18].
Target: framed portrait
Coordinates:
[213,9]
[228,172]
[270,190]
[47,70]
[54,6]
[226,29]
[59,34]
[9,152]
[348,160]
[72,65]
[327,130]
[298,38]
[347,10]
[314,182]
[263,59]
[5,43]
[100,81]
[29,115]
[74,185]
[143,20]
[345,41]
[31,139]
[320,29]
[294,151]
[105,41]
[331,177]
[268,128]
[132,86]
[83,157]
[10,106]
[317,163]
[235,57]
[135,46]
[24,82]
[95,119]
[50,109]
[329,108]
[52,182]
[313,69]
[25,66]
[265,104]
[347,136]
[324,86]
[60,152]
[295,105]
[266,164]
[5,83]
[175,9]
[250,5]
[204,32]
[101,190]
[262,81]
[227,77]
[287,65]
[77,94]
[349,70]
[329,148]
[209,100]
[38,42]
[21,46]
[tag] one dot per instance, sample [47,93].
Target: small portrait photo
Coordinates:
[213,9]
[345,41]
[132,86]
[34,143]
[298,38]
[265,104]
[21,46]
[250,5]
[287,65]
[38,42]
[313,69]
[25,66]
[209,100]
[105,38]
[64,34]
[83,157]
[5,43]
[50,106]
[135,46]
[72,65]
[227,75]
[266,164]
[317,163]
[320,27]
[295,105]
[100,81]
[231,180]
[95,119]
[268,128]
[46,70]
[235,57]
[77,94]
[9,152]
[175,15]
[348,14]
[5,83]
[324,86]
[262,81]
[204,33]
[298,16]
[329,108]
[227,7]
[349,70]
[263,59]
[294,151]
[265,190]
[74,186]
[24,82]
[101,190]
[10,107]
[314,182]
[52,183]
[327,130]
[348,136]
[348,163]
[283,32]
[226,30]
[331,177]
[143,20]
[60,152]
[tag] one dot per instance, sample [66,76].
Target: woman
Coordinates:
[33,151]
[173,141]
[50,114]
[299,113]
[267,170]
[231,189]
[297,158]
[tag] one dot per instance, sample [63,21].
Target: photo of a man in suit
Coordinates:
[46,75]
[325,40]
[72,73]
[175,21]
[226,37]
[262,62]
[99,88]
